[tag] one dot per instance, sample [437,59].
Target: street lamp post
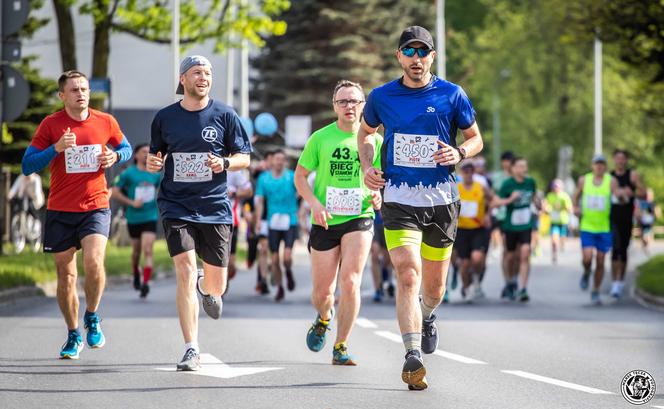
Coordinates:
[440,35]
[598,95]
[175,41]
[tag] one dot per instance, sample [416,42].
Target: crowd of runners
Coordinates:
[411,202]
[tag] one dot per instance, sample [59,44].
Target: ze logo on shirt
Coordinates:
[209,133]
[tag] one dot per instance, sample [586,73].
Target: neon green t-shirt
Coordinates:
[560,205]
[333,155]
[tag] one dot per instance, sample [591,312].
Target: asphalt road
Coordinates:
[557,351]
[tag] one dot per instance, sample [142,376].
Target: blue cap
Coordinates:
[186,64]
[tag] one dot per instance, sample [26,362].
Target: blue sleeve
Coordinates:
[35,160]
[157,144]
[123,149]
[237,140]
[370,113]
[464,114]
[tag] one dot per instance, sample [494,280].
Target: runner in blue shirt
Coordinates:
[276,188]
[196,140]
[421,114]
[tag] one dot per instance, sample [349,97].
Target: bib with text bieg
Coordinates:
[469,209]
[344,201]
[415,151]
[597,203]
[191,167]
[521,216]
[82,158]
[280,221]
[145,194]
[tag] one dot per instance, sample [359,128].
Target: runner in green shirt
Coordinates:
[558,205]
[342,212]
[517,194]
[136,188]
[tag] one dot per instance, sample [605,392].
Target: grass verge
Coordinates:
[651,276]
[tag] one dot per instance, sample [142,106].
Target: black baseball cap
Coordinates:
[415,34]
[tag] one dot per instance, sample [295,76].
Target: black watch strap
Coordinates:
[227,163]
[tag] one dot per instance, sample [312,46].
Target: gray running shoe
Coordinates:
[429,335]
[413,372]
[191,361]
[211,304]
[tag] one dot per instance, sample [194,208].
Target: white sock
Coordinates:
[192,345]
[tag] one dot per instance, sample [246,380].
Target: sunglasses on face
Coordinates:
[410,51]
[348,102]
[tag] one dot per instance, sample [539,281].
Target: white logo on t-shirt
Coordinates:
[431,109]
[209,133]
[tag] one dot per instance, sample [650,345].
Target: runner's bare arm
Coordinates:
[303,189]
[122,198]
[258,212]
[366,146]
[238,161]
[473,142]
[577,196]
[640,186]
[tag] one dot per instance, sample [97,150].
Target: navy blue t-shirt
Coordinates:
[414,119]
[189,189]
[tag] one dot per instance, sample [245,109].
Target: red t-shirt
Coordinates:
[85,191]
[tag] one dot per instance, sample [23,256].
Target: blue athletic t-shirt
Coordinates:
[414,118]
[189,189]
[279,193]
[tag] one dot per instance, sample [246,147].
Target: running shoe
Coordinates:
[429,335]
[390,289]
[523,295]
[145,289]
[137,281]
[505,293]
[317,332]
[191,361]
[72,347]
[413,372]
[211,304]
[478,293]
[584,281]
[378,296]
[615,290]
[340,355]
[290,281]
[94,337]
[594,298]
[280,294]
[512,291]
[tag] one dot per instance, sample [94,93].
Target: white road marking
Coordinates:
[458,358]
[557,382]
[658,407]
[365,323]
[211,366]
[449,355]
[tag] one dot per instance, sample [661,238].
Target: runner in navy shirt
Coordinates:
[198,140]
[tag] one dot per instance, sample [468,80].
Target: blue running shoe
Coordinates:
[594,298]
[73,346]
[378,296]
[340,355]
[94,337]
[584,281]
[317,332]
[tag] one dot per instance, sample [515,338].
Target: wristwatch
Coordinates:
[462,152]
[227,163]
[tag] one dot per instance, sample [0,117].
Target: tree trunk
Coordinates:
[66,35]
[101,48]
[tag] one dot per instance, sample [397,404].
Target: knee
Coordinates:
[94,266]
[350,283]
[320,295]
[408,279]
[66,278]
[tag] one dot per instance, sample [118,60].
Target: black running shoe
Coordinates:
[413,372]
[137,281]
[290,280]
[429,335]
[145,289]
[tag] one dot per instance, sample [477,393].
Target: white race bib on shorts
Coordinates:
[469,209]
[554,215]
[521,216]
[191,167]
[415,151]
[597,203]
[280,221]
[82,158]
[145,193]
[344,201]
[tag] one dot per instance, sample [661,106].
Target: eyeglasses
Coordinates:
[348,102]
[410,51]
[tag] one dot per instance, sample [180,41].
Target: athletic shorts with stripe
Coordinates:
[433,229]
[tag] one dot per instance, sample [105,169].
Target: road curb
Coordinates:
[49,288]
[648,300]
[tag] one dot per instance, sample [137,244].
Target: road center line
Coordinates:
[449,355]
[557,382]
[365,323]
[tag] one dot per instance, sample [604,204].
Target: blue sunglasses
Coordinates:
[410,51]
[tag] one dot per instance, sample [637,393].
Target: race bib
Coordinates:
[344,202]
[191,167]
[647,219]
[597,203]
[415,151]
[144,193]
[469,209]
[280,221]
[555,215]
[521,216]
[82,158]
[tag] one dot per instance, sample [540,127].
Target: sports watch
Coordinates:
[227,163]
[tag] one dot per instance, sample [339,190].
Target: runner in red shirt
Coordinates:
[74,143]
